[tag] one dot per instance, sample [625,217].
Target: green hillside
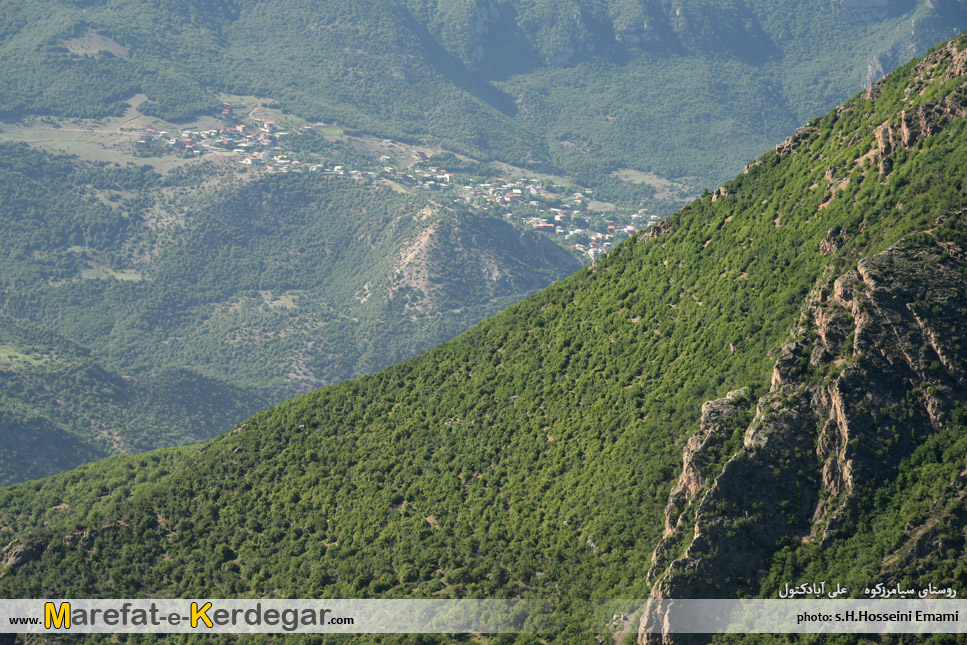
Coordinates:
[688,88]
[60,406]
[160,252]
[232,290]
[534,454]
[242,274]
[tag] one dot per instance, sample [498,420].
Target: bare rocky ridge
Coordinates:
[714,430]
[913,125]
[876,366]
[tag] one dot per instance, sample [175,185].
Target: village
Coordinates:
[568,215]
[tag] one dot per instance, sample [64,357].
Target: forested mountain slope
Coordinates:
[156,258]
[217,294]
[102,255]
[60,406]
[683,88]
[533,455]
[851,467]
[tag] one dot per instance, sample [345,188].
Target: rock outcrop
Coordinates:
[920,121]
[577,36]
[15,554]
[834,239]
[655,231]
[485,20]
[22,552]
[800,137]
[715,428]
[639,35]
[876,366]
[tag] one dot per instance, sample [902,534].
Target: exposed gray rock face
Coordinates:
[877,365]
[579,35]
[485,21]
[16,554]
[874,71]
[638,35]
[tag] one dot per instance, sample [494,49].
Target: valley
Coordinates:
[137,253]
[266,140]
[795,335]
[502,299]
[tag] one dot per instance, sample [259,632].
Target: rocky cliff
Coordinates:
[562,34]
[876,365]
[911,126]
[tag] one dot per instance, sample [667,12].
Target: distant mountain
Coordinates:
[689,88]
[155,260]
[798,332]
[229,292]
[60,406]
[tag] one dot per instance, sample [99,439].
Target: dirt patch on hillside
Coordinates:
[92,43]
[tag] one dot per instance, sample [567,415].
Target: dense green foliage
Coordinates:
[60,406]
[532,455]
[156,272]
[690,88]
[268,285]
[286,252]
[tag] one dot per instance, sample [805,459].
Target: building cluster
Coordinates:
[550,209]
[254,140]
[569,216]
